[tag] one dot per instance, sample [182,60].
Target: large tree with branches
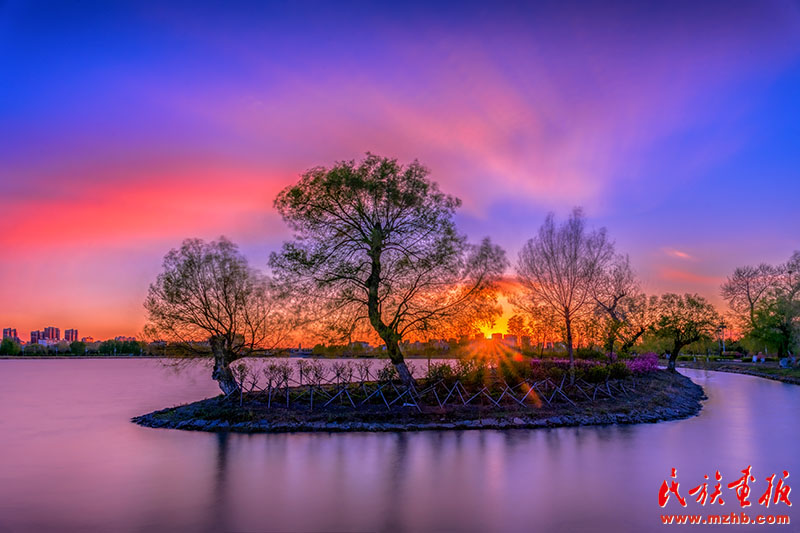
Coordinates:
[683,320]
[207,298]
[745,289]
[767,300]
[377,248]
[620,305]
[560,268]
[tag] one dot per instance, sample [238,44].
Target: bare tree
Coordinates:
[560,267]
[683,320]
[788,277]
[377,247]
[207,292]
[776,319]
[621,305]
[766,299]
[747,286]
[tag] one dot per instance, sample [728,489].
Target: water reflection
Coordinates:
[219,518]
[69,459]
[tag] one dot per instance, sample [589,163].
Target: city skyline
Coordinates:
[673,126]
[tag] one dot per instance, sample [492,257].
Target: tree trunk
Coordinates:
[609,345]
[222,371]
[387,334]
[396,356]
[673,357]
[628,344]
[570,352]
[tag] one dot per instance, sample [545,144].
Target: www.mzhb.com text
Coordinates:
[732,518]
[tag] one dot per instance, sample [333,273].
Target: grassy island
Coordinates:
[446,398]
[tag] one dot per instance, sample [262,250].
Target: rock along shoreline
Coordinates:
[666,397]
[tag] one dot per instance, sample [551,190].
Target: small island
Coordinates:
[376,256]
[304,397]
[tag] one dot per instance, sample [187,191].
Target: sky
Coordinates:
[127,127]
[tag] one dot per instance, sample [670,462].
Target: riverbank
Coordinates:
[657,396]
[761,370]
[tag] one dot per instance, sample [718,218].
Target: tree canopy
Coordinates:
[683,320]
[377,247]
[9,347]
[77,348]
[766,299]
[621,306]
[208,292]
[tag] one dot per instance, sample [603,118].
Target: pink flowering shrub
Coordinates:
[646,362]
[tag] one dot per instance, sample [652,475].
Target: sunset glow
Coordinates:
[128,128]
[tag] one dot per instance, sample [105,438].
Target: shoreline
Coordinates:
[740,368]
[679,398]
[76,357]
[315,358]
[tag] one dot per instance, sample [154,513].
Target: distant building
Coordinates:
[87,340]
[510,340]
[439,344]
[52,334]
[123,338]
[35,336]
[10,333]
[480,337]
[497,337]
[71,335]
[526,341]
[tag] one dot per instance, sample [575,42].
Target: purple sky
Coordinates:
[127,128]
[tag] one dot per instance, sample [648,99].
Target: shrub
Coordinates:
[618,370]
[472,371]
[437,371]
[590,354]
[555,369]
[596,374]
[514,371]
[388,372]
[646,362]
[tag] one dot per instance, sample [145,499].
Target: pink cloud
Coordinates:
[679,254]
[148,205]
[686,277]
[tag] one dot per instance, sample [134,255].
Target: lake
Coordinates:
[70,459]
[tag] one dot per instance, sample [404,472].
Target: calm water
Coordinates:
[71,460]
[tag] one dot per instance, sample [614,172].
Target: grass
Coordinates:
[765,370]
